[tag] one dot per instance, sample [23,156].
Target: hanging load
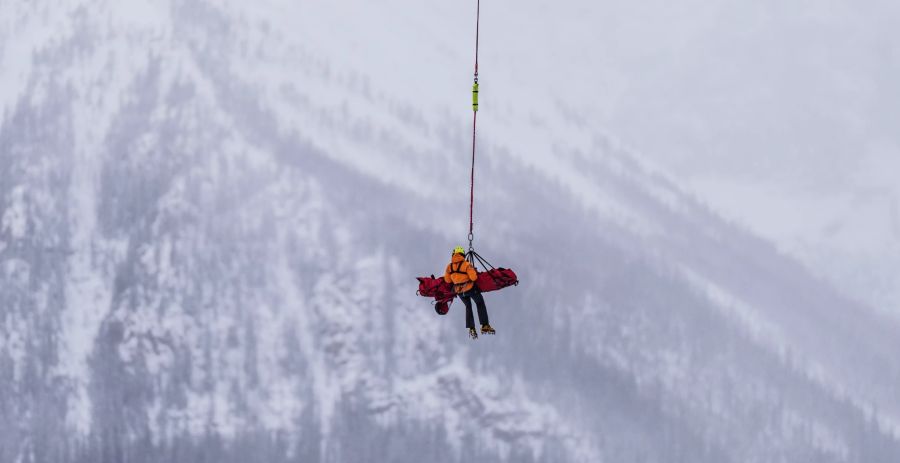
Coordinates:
[493,279]
[463,268]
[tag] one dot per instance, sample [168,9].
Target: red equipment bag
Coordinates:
[440,290]
[496,278]
[435,287]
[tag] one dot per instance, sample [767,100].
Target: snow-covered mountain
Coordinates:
[212,214]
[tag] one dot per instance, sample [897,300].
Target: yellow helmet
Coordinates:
[459,250]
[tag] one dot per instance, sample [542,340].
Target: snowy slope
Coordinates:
[212,214]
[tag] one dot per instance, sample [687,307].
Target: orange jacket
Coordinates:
[461,274]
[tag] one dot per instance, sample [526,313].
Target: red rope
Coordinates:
[472,182]
[474,124]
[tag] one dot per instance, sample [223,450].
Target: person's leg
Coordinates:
[470,320]
[482,308]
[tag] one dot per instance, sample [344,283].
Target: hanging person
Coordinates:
[462,275]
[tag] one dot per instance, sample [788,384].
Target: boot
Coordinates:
[473,334]
[486,329]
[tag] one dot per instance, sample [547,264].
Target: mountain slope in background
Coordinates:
[211,221]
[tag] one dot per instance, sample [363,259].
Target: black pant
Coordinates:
[467,298]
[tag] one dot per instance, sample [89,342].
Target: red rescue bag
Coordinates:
[496,278]
[435,287]
[440,290]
